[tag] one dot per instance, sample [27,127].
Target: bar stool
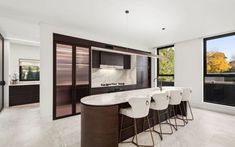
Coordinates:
[139,109]
[187,92]
[161,102]
[175,100]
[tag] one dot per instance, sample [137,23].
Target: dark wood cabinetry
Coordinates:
[23,94]
[95,59]
[112,59]
[71,75]
[101,90]
[127,62]
[72,61]
[108,58]
[143,69]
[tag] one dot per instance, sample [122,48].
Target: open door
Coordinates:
[2,82]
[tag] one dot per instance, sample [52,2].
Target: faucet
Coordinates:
[160,86]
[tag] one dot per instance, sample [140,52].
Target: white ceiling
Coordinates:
[183,19]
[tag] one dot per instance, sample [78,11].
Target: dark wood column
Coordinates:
[99,126]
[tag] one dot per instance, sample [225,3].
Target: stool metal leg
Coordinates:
[120,133]
[159,121]
[168,119]
[136,135]
[160,125]
[150,131]
[184,121]
[175,126]
[184,109]
[190,111]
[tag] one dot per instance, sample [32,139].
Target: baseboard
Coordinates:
[214,107]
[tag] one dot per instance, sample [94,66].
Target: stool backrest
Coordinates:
[187,92]
[140,106]
[175,97]
[161,101]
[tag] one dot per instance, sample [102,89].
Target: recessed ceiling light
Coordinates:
[163,29]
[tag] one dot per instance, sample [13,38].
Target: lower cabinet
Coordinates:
[23,94]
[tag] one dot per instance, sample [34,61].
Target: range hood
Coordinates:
[110,60]
[151,55]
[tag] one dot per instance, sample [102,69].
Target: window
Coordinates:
[165,67]
[219,69]
[29,70]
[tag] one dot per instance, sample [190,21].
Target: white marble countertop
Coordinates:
[25,83]
[120,97]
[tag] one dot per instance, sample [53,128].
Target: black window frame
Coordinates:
[158,64]
[205,74]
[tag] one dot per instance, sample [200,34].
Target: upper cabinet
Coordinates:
[95,59]
[101,59]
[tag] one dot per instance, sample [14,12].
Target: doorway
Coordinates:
[2,82]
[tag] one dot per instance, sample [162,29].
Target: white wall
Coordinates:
[6,72]
[46,58]
[12,53]
[189,72]
[20,51]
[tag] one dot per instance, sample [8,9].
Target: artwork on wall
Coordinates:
[29,70]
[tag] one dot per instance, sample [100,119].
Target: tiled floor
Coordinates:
[22,127]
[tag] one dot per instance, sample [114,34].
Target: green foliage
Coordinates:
[166,66]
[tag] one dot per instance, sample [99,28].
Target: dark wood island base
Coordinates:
[100,124]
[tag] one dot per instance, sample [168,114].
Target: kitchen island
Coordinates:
[100,118]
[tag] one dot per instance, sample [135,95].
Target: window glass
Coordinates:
[166,66]
[220,55]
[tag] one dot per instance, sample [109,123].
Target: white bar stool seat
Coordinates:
[161,102]
[187,93]
[139,109]
[175,100]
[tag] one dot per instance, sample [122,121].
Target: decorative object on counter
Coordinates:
[159,82]
[112,84]
[14,78]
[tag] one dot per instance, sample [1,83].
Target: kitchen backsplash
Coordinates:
[126,76]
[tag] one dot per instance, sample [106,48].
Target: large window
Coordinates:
[165,66]
[219,69]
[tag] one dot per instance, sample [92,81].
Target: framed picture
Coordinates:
[29,70]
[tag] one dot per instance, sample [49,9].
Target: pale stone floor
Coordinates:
[22,127]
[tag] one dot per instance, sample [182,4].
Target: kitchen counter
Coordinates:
[220,82]
[100,118]
[119,97]
[25,84]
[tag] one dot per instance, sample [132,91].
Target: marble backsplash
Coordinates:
[102,76]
